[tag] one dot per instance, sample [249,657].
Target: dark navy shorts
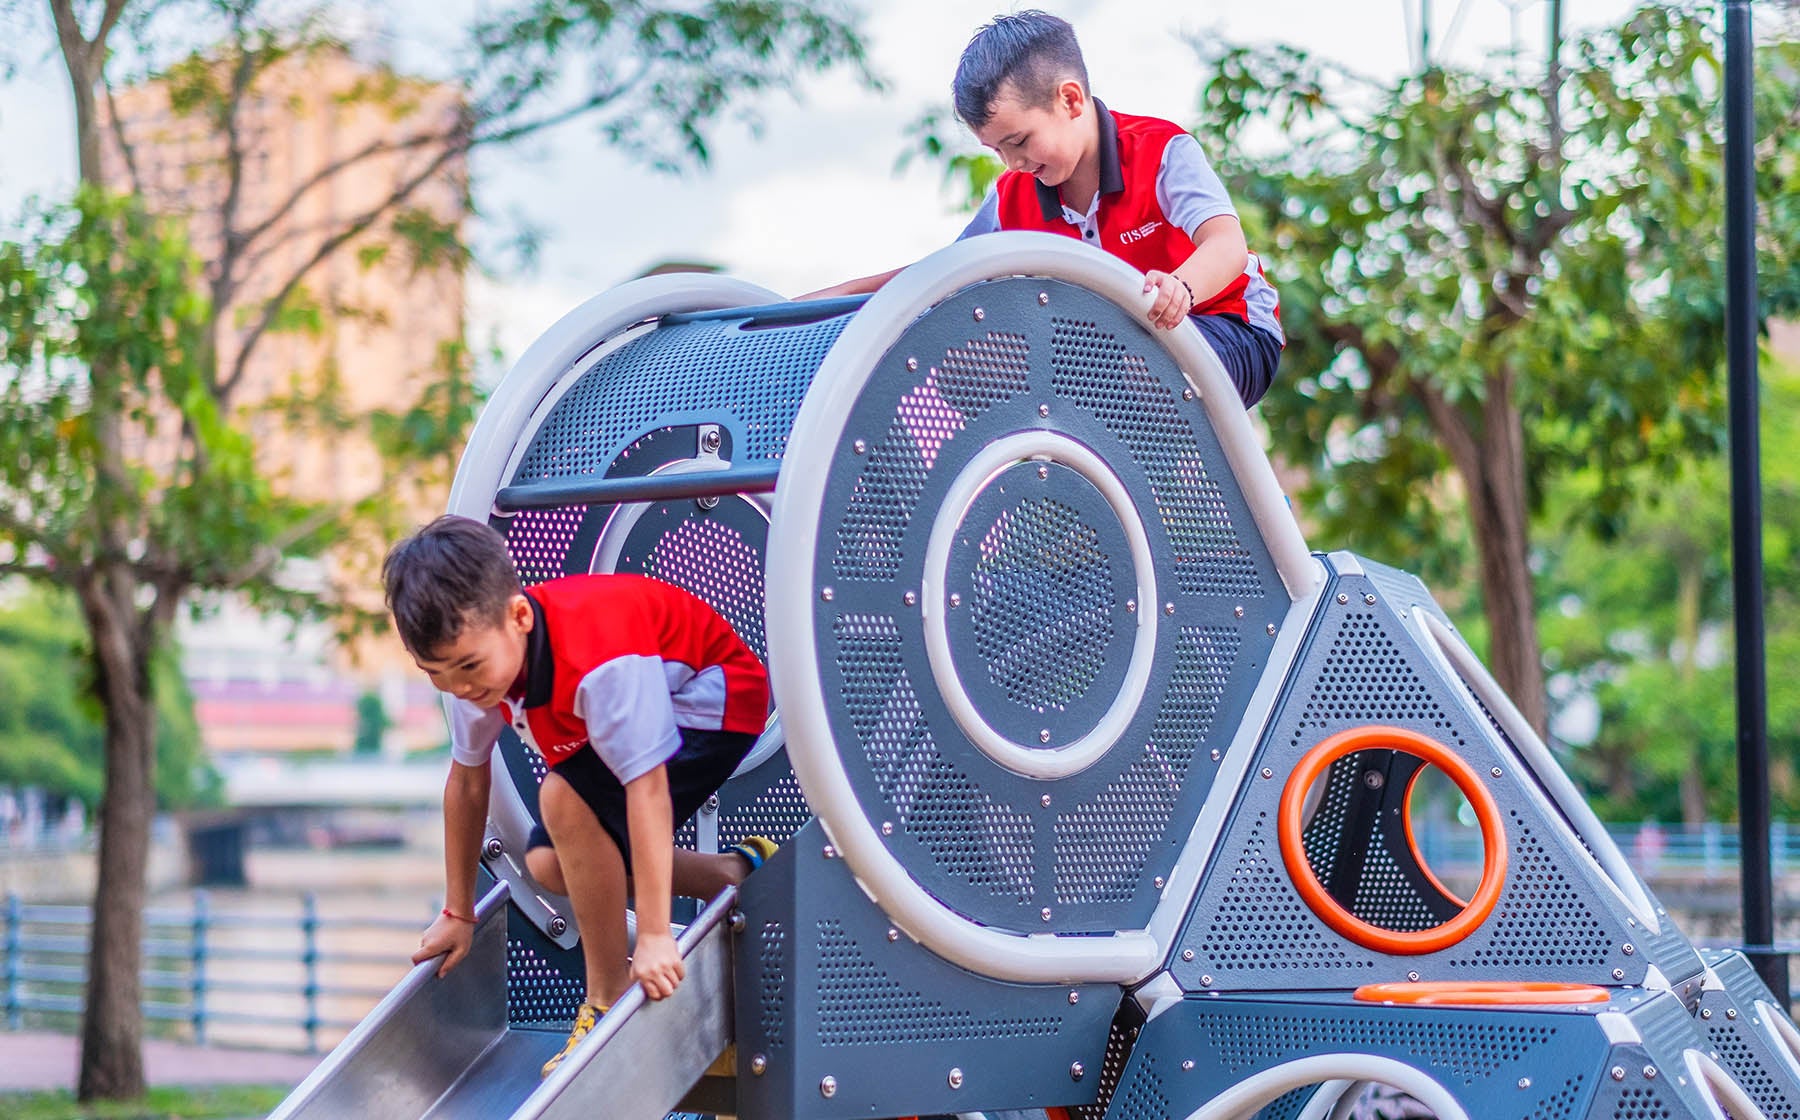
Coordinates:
[697,769]
[1249,354]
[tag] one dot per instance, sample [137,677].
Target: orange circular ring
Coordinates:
[1483,993]
[1293,848]
[1412,844]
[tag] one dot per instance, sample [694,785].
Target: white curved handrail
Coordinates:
[1251,1095]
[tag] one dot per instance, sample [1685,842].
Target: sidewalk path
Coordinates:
[32,1060]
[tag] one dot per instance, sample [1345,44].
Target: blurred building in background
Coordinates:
[317,145]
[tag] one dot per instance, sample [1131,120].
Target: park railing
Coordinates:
[267,976]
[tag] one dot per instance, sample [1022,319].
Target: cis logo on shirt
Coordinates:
[1139,233]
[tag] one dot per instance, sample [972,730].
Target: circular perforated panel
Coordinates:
[1014,479]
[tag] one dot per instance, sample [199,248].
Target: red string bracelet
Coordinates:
[449,913]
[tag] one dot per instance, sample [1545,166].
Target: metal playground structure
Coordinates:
[1095,785]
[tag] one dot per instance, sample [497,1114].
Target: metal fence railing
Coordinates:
[267,975]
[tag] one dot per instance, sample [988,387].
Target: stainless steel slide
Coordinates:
[443,1050]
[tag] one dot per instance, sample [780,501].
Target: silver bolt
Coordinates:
[1238,611]
[955,1078]
[1076,1071]
[1187,954]
[1168,608]
[1524,1082]
[1618,1073]
[893,934]
[860,446]
[1044,913]
[1343,598]
[956,598]
[1650,1073]
[1374,779]
[559,925]
[738,922]
[887,828]
[1369,599]
[1618,974]
[1628,948]
[1267,773]
[712,804]
[909,598]
[1131,606]
[980,314]
[710,440]
[1413,976]
[1495,771]
[1044,735]
[708,501]
[1706,1012]
[1187,394]
[827,594]
[828,1086]
[494,848]
[1215,754]
[1044,801]
[1206,981]
[759,1064]
[1074,998]
[1043,298]
[1043,471]
[1271,629]
[1043,410]
[1157,882]
[830,852]
[1731,1013]
[912,365]
[1187,1064]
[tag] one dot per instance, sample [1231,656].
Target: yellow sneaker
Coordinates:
[754,849]
[586,1018]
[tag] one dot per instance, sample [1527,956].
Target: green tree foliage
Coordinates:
[1490,282]
[124,477]
[372,723]
[51,735]
[1641,620]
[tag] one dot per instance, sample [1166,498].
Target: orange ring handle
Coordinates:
[1483,993]
[1293,848]
[1412,845]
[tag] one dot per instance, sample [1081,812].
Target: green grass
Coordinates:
[224,1102]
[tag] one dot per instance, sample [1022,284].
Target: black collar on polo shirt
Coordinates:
[1112,175]
[540,667]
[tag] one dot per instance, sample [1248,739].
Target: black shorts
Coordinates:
[1249,354]
[697,769]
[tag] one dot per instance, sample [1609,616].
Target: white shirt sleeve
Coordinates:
[986,219]
[629,716]
[1187,188]
[473,731]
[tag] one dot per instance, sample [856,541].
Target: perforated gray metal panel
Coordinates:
[1039,603]
[1250,929]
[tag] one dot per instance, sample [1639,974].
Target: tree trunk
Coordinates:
[1489,455]
[112,1062]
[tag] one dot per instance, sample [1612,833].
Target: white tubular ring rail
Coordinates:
[1125,956]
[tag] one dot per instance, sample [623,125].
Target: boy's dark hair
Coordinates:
[1034,51]
[452,571]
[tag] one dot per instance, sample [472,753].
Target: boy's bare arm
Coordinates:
[862,285]
[1219,257]
[465,816]
[656,962]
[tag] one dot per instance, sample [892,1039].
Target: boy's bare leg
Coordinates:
[593,872]
[546,869]
[703,876]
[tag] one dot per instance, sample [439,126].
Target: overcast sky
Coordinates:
[816,199]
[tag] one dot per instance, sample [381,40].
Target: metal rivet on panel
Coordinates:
[1131,605]
[1168,608]
[1628,948]
[912,364]
[1343,598]
[887,828]
[830,852]
[712,804]
[1044,913]
[1650,1073]
[1495,771]
[956,598]
[1187,394]
[1187,1064]
[1618,974]
[955,1079]
[1413,976]
[1044,735]
[1074,998]
[1043,297]
[494,848]
[1187,954]
[893,934]
[1731,1012]
[1238,612]
[1374,779]
[1618,1073]
[1043,410]
[710,440]
[1076,1071]
[1369,599]
[828,1086]
[1267,773]
[1215,754]
[860,446]
[1157,882]
[759,1064]
[827,594]
[910,598]
[1271,629]
[739,923]
[1524,1082]
[1706,1012]
[980,314]
[559,925]
[1206,981]
[1044,801]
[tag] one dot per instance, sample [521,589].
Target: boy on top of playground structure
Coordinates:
[641,699]
[1138,187]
